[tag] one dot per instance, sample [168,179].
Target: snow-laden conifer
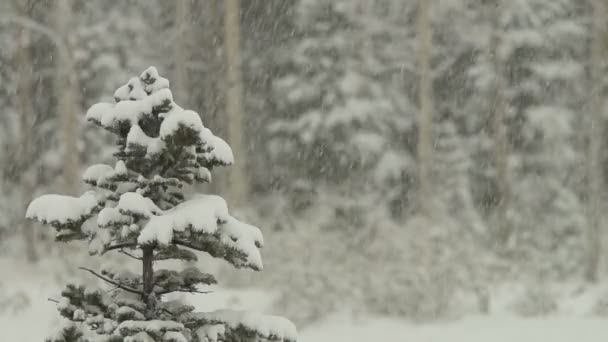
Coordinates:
[138,206]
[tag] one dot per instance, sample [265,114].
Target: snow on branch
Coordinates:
[104,176]
[220,325]
[206,216]
[146,116]
[156,329]
[63,211]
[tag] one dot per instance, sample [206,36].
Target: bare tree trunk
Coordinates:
[499,129]
[234,102]
[179,82]
[425,113]
[67,106]
[148,276]
[214,90]
[26,122]
[215,72]
[594,172]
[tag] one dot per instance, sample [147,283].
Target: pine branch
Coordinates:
[182,290]
[129,254]
[120,245]
[112,282]
[53,300]
[187,244]
[169,312]
[113,289]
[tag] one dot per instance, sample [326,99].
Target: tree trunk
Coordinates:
[67,106]
[211,32]
[234,102]
[180,82]
[148,276]
[211,35]
[425,113]
[25,98]
[499,130]
[594,172]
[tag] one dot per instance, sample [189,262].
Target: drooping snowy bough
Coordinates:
[137,206]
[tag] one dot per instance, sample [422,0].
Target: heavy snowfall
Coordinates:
[303,170]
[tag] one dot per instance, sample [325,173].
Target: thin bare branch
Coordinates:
[120,246]
[182,290]
[169,312]
[113,289]
[112,282]
[187,244]
[129,254]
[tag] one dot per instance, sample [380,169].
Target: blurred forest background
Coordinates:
[399,155]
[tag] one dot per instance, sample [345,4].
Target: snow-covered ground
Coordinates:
[26,315]
[473,329]
[34,324]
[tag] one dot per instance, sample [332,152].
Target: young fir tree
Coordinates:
[138,207]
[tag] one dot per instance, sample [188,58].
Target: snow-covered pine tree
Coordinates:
[138,207]
[337,117]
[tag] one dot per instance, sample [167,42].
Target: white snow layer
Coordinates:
[136,99]
[471,329]
[61,209]
[153,326]
[266,326]
[139,337]
[132,203]
[97,174]
[221,151]
[137,137]
[211,333]
[183,118]
[111,216]
[206,214]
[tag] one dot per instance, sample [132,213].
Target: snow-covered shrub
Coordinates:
[419,275]
[137,206]
[600,308]
[536,301]
[358,259]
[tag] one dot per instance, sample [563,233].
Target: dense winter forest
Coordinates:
[402,158]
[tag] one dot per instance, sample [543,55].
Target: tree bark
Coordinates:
[25,105]
[234,102]
[213,82]
[594,172]
[66,85]
[148,276]
[499,130]
[211,35]
[425,113]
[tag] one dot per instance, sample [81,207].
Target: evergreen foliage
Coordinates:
[138,207]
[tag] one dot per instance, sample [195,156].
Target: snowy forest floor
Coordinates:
[26,315]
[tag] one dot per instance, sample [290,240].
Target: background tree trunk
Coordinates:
[211,41]
[213,93]
[425,113]
[234,103]
[25,98]
[594,172]
[67,106]
[180,58]
[499,130]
